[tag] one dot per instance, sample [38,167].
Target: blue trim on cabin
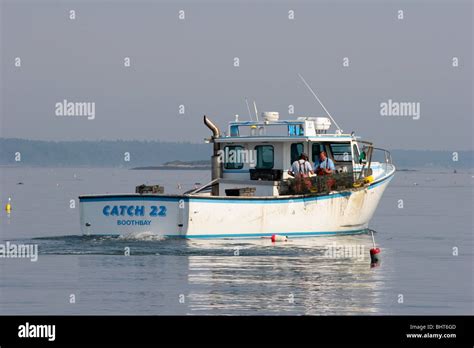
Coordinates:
[257,123]
[282,137]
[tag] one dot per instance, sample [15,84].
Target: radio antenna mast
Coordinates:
[248,108]
[320,103]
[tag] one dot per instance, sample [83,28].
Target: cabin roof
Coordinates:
[270,138]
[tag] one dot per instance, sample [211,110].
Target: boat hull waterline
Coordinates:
[186,216]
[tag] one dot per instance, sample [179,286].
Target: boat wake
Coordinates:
[145,236]
[143,244]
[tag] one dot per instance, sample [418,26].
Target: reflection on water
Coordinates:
[306,284]
[302,276]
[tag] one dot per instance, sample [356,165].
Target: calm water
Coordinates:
[206,277]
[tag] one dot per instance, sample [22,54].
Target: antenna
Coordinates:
[320,103]
[248,108]
[255,107]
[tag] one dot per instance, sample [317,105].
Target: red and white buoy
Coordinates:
[277,238]
[374,253]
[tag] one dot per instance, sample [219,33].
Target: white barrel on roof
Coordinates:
[270,116]
[322,123]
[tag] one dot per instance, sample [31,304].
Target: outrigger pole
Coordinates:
[320,103]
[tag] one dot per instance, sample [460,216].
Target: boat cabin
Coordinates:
[260,153]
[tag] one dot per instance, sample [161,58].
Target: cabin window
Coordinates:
[315,151]
[234,131]
[341,152]
[296,151]
[233,157]
[265,156]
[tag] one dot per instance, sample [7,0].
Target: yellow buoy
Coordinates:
[8,207]
[369,179]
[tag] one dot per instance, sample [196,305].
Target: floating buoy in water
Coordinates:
[374,253]
[277,238]
[8,206]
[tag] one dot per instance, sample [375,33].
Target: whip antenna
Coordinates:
[319,101]
[255,107]
[248,108]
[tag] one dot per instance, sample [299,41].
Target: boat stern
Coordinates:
[130,214]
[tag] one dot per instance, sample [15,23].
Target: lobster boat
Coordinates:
[251,193]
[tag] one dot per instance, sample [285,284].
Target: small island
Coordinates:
[179,165]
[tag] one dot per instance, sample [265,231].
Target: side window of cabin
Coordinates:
[296,151]
[265,156]
[316,149]
[233,157]
[341,152]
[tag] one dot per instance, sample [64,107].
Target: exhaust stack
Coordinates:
[216,168]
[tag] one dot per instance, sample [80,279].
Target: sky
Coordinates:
[191,62]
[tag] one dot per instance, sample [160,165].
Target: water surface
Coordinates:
[169,276]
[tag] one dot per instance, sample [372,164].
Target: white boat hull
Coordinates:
[346,212]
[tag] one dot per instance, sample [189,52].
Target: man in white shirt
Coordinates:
[301,170]
[301,167]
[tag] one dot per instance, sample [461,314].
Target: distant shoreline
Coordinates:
[172,168]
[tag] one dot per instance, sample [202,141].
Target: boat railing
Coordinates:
[387,158]
[202,188]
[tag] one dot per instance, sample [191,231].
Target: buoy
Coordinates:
[277,238]
[8,207]
[368,179]
[374,253]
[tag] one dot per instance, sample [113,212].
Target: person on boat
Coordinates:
[326,168]
[301,167]
[326,165]
[301,170]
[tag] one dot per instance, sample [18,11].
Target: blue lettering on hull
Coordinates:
[134,210]
[133,222]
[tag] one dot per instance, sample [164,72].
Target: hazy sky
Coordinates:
[191,62]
